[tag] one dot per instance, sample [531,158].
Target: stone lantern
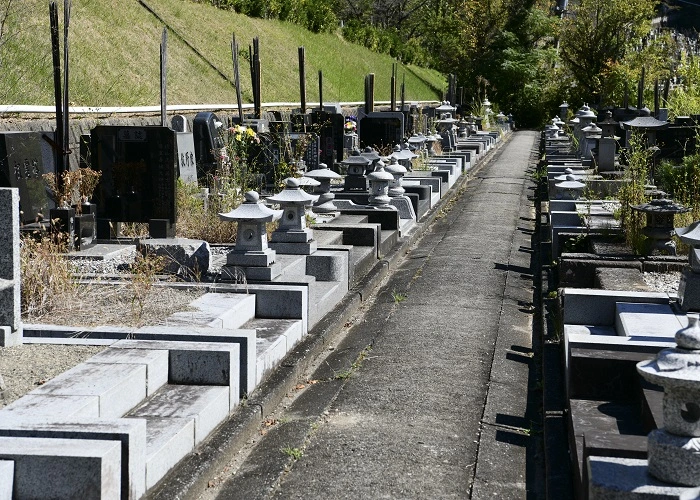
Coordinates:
[551,130]
[563,110]
[292,236]
[673,450]
[251,251]
[570,189]
[416,143]
[590,136]
[371,155]
[430,141]
[397,171]
[689,287]
[356,164]
[324,176]
[379,187]
[659,229]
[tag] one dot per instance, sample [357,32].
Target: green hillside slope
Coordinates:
[114,56]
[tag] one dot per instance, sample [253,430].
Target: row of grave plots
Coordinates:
[116,424]
[603,319]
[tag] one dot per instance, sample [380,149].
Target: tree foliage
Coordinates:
[596,36]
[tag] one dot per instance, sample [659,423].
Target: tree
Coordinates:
[597,34]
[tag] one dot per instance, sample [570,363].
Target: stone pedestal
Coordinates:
[606,154]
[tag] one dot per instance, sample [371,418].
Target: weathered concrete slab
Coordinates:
[585,306]
[52,406]
[168,440]
[207,406]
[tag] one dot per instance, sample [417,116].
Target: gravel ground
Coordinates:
[25,367]
[662,282]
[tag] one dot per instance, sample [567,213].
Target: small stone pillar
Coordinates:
[251,251]
[324,176]
[356,164]
[689,287]
[590,135]
[672,450]
[10,319]
[292,236]
[379,187]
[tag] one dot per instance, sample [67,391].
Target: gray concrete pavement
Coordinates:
[433,392]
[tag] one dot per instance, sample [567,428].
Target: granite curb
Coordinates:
[193,474]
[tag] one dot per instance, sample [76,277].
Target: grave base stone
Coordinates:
[184,256]
[689,290]
[628,478]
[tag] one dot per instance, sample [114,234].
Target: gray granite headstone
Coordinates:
[24,158]
[10,326]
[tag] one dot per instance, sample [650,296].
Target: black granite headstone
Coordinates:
[381,130]
[139,172]
[206,141]
[330,128]
[24,158]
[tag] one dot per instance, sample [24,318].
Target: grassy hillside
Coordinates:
[114,52]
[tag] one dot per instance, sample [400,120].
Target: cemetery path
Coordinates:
[433,392]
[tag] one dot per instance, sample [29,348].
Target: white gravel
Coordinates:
[662,282]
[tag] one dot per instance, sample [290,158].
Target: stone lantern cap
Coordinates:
[322,173]
[380,175]
[252,210]
[416,140]
[690,234]
[568,175]
[677,367]
[370,154]
[592,129]
[356,158]
[292,195]
[406,149]
[308,181]
[445,107]
[585,112]
[486,102]
[660,206]
[570,183]
[395,167]
[645,123]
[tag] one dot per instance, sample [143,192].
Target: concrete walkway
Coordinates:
[433,391]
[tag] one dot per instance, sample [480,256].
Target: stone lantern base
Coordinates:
[629,478]
[689,290]
[294,242]
[257,265]
[674,458]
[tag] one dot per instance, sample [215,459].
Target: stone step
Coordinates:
[116,388]
[197,363]
[275,338]
[43,465]
[178,418]
[217,310]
